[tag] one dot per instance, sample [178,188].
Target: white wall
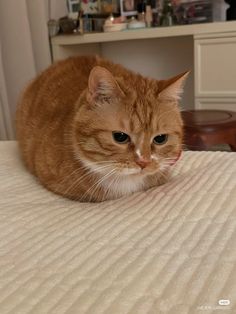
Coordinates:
[24,50]
[16,48]
[58,8]
[159,58]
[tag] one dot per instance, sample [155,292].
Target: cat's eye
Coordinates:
[120,137]
[160,139]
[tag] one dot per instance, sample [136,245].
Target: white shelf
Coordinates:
[147,33]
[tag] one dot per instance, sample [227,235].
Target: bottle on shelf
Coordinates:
[167,17]
[148,16]
[219,8]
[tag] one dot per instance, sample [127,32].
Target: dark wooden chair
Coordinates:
[205,128]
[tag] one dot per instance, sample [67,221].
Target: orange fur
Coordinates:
[65,121]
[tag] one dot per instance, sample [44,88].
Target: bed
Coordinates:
[168,250]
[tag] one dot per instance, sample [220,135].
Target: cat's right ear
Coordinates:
[102,85]
[173,88]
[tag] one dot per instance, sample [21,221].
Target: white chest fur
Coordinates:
[125,185]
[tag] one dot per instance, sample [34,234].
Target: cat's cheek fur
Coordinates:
[93,167]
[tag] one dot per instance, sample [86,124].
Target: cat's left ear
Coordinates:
[102,85]
[172,89]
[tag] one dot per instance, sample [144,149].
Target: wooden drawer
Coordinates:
[215,67]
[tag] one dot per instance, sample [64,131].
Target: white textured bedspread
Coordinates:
[171,249]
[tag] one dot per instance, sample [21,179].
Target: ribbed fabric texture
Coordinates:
[170,250]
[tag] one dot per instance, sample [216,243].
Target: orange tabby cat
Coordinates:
[91,130]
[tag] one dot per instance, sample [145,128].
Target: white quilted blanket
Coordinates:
[168,250]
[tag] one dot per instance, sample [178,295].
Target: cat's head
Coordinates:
[129,126]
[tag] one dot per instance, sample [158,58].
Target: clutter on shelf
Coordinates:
[86,16]
[113,24]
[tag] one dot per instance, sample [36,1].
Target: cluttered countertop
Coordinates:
[188,17]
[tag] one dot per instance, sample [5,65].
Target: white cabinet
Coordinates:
[215,71]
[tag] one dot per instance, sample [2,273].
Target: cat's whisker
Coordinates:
[63,181]
[101,165]
[169,159]
[103,179]
[166,163]
[98,163]
[97,184]
[82,178]
[93,171]
[73,184]
[111,183]
[110,176]
[163,174]
[117,181]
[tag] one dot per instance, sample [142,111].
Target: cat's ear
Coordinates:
[102,85]
[173,88]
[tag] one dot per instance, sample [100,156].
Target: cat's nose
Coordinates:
[143,163]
